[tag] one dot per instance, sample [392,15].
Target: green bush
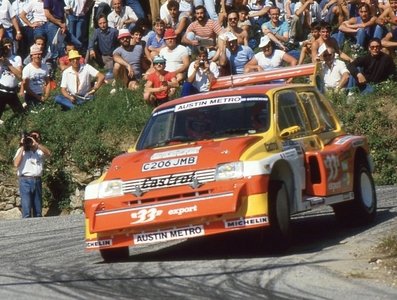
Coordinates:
[374,116]
[86,138]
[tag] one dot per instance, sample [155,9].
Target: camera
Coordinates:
[27,141]
[201,64]
[2,51]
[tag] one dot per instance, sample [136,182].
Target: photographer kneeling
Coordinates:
[29,160]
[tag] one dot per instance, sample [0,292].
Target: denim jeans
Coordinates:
[67,104]
[77,27]
[209,6]
[136,7]
[31,190]
[58,50]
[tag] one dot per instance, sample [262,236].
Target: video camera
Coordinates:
[27,141]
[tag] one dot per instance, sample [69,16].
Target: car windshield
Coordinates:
[210,118]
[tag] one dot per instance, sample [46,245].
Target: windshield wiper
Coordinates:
[178,138]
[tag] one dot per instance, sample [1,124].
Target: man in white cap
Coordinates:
[269,58]
[76,82]
[233,55]
[127,68]
[35,76]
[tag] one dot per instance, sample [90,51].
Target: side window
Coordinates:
[320,118]
[290,112]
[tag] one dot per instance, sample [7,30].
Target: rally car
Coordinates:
[244,155]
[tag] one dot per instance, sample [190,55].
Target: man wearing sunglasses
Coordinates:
[374,67]
[160,84]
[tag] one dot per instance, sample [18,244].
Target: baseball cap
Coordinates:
[123,33]
[169,34]
[159,59]
[264,41]
[35,49]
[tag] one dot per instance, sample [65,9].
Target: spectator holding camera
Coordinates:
[10,73]
[29,161]
[200,74]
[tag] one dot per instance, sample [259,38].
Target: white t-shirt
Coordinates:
[36,9]
[7,78]
[6,13]
[37,77]
[31,164]
[272,62]
[333,76]
[201,82]
[314,11]
[174,57]
[85,74]
[116,21]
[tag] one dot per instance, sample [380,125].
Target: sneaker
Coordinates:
[1,122]
[112,91]
[350,97]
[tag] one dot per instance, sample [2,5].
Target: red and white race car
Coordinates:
[235,158]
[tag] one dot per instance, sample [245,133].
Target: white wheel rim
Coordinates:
[366,190]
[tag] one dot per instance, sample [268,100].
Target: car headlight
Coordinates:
[110,188]
[227,171]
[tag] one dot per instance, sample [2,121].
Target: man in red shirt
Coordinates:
[160,84]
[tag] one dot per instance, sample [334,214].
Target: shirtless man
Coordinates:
[232,22]
[324,41]
[389,16]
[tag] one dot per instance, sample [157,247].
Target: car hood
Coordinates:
[199,155]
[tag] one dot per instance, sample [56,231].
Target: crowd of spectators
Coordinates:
[186,43]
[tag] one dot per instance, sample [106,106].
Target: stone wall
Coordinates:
[10,200]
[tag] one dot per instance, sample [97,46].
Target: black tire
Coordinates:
[361,210]
[279,216]
[115,254]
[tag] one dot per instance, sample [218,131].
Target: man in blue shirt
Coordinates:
[233,55]
[102,44]
[276,30]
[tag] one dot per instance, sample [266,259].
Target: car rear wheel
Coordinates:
[279,216]
[115,254]
[361,210]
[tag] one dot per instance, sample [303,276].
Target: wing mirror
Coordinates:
[289,131]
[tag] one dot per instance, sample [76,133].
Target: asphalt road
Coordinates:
[45,259]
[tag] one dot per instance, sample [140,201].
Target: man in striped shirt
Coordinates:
[203,31]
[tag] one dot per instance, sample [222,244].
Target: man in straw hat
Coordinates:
[76,85]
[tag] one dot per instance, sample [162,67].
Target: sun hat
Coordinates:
[123,33]
[159,59]
[73,54]
[35,49]
[169,34]
[264,41]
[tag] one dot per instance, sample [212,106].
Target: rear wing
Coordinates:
[309,70]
